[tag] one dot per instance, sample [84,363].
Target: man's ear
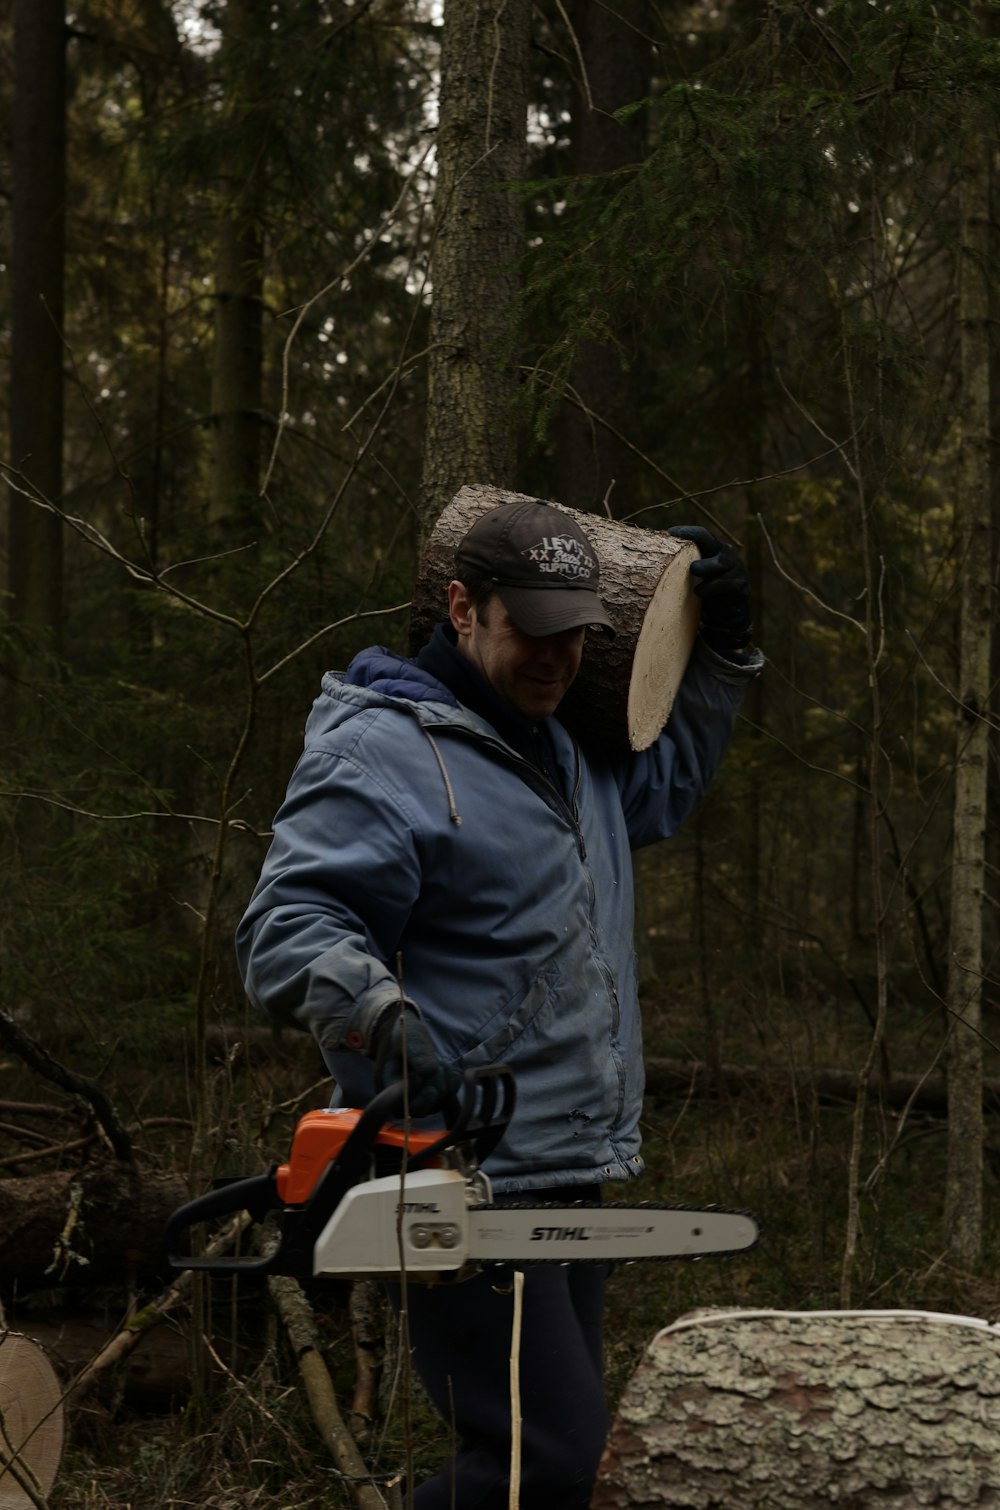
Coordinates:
[460,609]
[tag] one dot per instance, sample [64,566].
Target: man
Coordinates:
[450,875]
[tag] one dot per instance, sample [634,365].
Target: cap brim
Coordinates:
[551,610]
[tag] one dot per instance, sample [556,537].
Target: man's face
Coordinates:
[530,673]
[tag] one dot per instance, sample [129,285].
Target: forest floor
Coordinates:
[775,1149]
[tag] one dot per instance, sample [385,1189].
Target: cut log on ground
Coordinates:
[771,1410]
[626,686]
[32,1425]
[156,1374]
[93,1225]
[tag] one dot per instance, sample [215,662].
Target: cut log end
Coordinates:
[31,1418]
[662,651]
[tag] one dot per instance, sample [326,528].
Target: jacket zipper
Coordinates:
[572,812]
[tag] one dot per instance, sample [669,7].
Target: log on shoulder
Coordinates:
[627,684]
[793,1411]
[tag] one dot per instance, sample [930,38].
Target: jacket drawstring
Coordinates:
[453,812]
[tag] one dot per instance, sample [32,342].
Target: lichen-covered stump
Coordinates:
[792,1411]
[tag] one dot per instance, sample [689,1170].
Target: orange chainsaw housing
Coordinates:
[318,1140]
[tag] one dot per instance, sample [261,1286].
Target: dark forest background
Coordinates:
[736,266]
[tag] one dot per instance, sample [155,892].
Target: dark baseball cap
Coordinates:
[545,569]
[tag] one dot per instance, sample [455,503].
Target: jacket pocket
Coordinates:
[514,1019]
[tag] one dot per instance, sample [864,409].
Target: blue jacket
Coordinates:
[416,849]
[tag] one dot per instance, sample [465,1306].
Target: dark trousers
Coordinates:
[461,1341]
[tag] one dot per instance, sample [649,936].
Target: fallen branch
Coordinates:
[34,1109]
[368,1333]
[138,1325]
[41,1061]
[15,1160]
[920,1093]
[296,1313]
[26,1134]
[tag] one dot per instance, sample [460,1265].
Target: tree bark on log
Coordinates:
[95,1225]
[792,1411]
[623,695]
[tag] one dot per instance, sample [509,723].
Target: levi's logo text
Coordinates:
[561,556]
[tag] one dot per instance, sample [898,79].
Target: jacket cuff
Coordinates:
[749,664]
[363,1024]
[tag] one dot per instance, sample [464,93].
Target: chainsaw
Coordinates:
[362,1195]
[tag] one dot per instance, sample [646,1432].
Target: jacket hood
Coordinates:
[383,671]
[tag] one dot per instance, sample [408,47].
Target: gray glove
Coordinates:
[401,1045]
[723,587]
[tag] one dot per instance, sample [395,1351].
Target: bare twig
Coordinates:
[682,494]
[514,1497]
[27,795]
[807,592]
[41,1061]
[17,481]
[15,1160]
[303,309]
[248,1395]
[368,613]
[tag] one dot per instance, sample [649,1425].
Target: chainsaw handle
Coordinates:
[256,1195]
[480,1114]
[478,1118]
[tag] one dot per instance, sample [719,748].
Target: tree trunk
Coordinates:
[472,374]
[36,387]
[237,349]
[623,694]
[614,52]
[964,1194]
[772,1411]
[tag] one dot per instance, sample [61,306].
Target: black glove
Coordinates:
[723,587]
[431,1084]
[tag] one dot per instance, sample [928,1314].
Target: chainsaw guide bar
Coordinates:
[702,1227]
